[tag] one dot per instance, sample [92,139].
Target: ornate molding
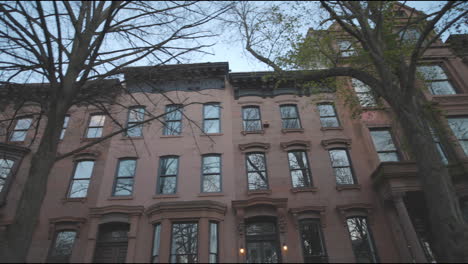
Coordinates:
[275,202]
[87,154]
[191,206]
[65,223]
[355,209]
[254,146]
[336,142]
[300,144]
[123,209]
[318,210]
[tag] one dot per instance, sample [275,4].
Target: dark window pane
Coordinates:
[329,122]
[341,166]
[291,123]
[23,124]
[211,164]
[97,121]
[343,175]
[255,125]
[184,244]
[459,127]
[169,166]
[326,110]
[173,114]
[5,170]
[18,136]
[127,168]
[257,180]
[251,113]
[213,242]
[288,111]
[256,162]
[156,243]
[339,157]
[64,127]
[441,88]
[136,114]
[212,183]
[123,187]
[84,169]
[63,246]
[136,131]
[383,140]
[361,240]
[79,188]
[94,132]
[211,126]
[173,128]
[211,111]
[312,243]
[385,157]
[167,185]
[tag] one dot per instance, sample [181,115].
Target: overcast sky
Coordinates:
[240,61]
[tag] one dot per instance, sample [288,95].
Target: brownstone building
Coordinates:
[271,174]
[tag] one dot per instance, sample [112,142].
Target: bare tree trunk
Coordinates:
[19,234]
[449,230]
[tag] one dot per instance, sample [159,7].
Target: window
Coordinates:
[211,173]
[328,116]
[383,143]
[346,48]
[363,93]
[81,178]
[290,117]
[168,168]
[410,35]
[439,147]
[64,127]
[6,166]
[299,168]
[459,126]
[156,243]
[341,166]
[361,240]
[184,246]
[96,124]
[313,245]
[21,129]
[135,115]
[125,177]
[173,122]
[211,118]
[62,247]
[251,118]
[436,79]
[256,171]
[213,242]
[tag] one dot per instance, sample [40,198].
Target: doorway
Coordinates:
[112,243]
[262,242]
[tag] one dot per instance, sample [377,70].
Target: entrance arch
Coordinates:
[262,240]
[112,243]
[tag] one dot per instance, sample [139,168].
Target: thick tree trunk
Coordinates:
[19,234]
[449,230]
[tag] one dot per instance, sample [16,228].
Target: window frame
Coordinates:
[166,127]
[21,130]
[76,162]
[311,183]
[334,112]
[298,117]
[159,174]
[53,244]
[353,174]
[317,222]
[217,241]
[446,72]
[196,222]
[66,121]
[116,176]
[350,51]
[396,151]
[155,226]
[207,174]
[211,119]
[130,123]
[251,120]
[372,103]
[373,248]
[89,125]
[247,171]
[465,152]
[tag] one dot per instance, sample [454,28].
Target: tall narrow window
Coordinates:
[173,122]
[363,93]
[168,169]
[156,243]
[341,166]
[290,117]
[213,242]
[21,129]
[256,171]
[62,247]
[384,146]
[439,147]
[346,48]
[328,116]
[125,177]
[313,245]
[96,124]
[135,115]
[361,240]
[299,169]
[459,126]
[211,118]
[436,79]
[251,118]
[64,127]
[6,166]
[211,170]
[81,178]
[184,246]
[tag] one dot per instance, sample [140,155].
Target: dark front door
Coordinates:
[262,243]
[112,243]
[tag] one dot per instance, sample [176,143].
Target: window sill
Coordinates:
[131,138]
[292,130]
[171,136]
[120,198]
[259,192]
[212,134]
[74,200]
[348,187]
[210,194]
[331,128]
[253,132]
[304,189]
[164,196]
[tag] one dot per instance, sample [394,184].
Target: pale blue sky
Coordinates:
[240,61]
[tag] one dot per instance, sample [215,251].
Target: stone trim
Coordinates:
[123,209]
[336,143]
[300,213]
[254,146]
[65,223]
[295,144]
[186,207]
[355,209]
[275,202]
